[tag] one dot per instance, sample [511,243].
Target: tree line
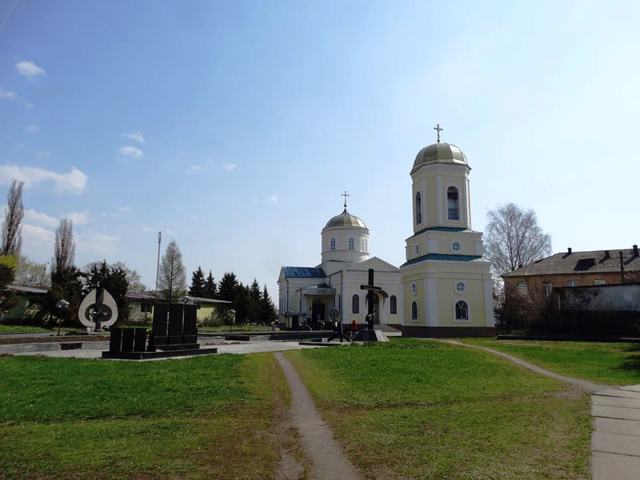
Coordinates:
[67,282]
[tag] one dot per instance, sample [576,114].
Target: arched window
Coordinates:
[363,243]
[393,305]
[352,244]
[462,310]
[418,209]
[355,304]
[453,204]
[414,311]
[333,244]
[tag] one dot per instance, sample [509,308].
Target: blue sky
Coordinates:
[233,127]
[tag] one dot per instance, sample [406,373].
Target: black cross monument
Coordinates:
[372,291]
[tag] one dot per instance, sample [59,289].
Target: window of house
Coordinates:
[418,208]
[453,204]
[547,287]
[146,308]
[352,244]
[355,304]
[462,310]
[393,305]
[571,283]
[522,288]
[599,282]
[414,311]
[333,244]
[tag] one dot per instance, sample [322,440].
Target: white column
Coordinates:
[431,296]
[488,303]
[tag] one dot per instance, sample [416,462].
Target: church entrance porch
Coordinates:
[316,304]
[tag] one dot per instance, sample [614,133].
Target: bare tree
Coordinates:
[65,248]
[32,274]
[172,279]
[514,238]
[11,228]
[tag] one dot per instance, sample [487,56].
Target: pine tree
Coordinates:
[210,287]
[254,303]
[267,309]
[227,287]
[198,284]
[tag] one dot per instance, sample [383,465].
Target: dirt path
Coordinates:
[576,382]
[328,461]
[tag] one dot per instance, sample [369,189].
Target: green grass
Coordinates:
[607,363]
[195,418]
[414,409]
[26,329]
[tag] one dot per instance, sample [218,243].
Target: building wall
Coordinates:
[436,295]
[601,298]
[535,283]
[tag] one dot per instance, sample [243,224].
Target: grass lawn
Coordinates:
[607,363]
[205,417]
[26,329]
[416,409]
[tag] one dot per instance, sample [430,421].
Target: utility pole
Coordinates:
[621,267]
[158,261]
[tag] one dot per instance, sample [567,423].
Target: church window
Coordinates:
[453,204]
[352,244]
[364,245]
[333,244]
[460,287]
[455,247]
[393,305]
[417,249]
[414,311]
[418,209]
[462,310]
[355,304]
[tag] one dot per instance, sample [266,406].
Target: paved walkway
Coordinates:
[328,461]
[615,441]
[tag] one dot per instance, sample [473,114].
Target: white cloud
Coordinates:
[6,95]
[75,181]
[229,167]
[271,199]
[147,228]
[40,218]
[97,244]
[29,69]
[131,152]
[37,239]
[136,136]
[195,168]
[78,218]
[32,129]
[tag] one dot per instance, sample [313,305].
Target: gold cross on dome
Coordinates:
[438,129]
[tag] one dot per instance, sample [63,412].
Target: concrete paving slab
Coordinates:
[615,412]
[618,392]
[614,425]
[608,401]
[633,388]
[611,466]
[615,443]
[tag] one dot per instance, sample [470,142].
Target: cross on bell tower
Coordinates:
[438,130]
[345,195]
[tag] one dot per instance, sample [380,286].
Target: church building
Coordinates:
[443,289]
[314,296]
[447,284]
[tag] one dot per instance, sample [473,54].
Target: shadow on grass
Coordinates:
[632,360]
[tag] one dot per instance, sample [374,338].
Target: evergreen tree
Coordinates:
[198,284]
[241,303]
[210,287]
[267,309]
[253,307]
[227,287]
